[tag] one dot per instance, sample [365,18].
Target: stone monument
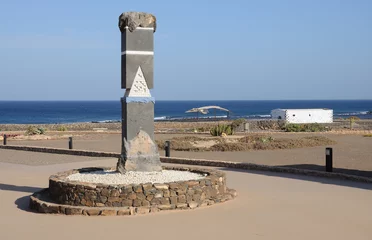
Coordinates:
[139,152]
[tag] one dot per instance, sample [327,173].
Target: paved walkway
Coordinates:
[269,206]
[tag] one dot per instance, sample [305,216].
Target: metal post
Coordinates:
[5,138]
[70,146]
[329,160]
[167,148]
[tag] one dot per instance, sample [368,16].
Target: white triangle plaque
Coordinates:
[139,87]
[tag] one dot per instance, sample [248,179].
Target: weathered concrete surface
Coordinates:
[139,154]
[132,20]
[137,116]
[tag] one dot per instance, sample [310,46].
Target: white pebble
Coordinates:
[113,177]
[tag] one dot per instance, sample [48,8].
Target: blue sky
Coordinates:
[217,50]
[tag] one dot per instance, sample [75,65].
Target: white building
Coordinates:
[303,115]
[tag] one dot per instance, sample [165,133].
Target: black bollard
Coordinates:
[70,146]
[5,138]
[167,148]
[329,160]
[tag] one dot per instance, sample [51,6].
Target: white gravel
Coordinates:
[113,177]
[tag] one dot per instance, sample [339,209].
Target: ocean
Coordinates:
[43,112]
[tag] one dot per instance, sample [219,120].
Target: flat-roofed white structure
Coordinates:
[303,115]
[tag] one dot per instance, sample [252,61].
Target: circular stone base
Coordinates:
[80,198]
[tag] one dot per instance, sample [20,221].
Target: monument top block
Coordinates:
[132,20]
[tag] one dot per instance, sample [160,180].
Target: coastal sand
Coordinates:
[269,206]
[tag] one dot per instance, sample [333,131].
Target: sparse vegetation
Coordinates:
[270,124]
[251,142]
[352,120]
[32,130]
[237,122]
[367,135]
[312,127]
[61,128]
[220,129]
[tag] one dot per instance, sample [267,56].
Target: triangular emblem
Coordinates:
[139,87]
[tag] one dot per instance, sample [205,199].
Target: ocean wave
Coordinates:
[106,121]
[352,113]
[160,118]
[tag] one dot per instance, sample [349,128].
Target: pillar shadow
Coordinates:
[322,180]
[23,203]
[14,188]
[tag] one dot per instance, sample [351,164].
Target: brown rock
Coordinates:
[159,195]
[145,203]
[114,199]
[108,212]
[173,200]
[115,193]
[160,186]
[165,201]
[105,192]
[149,197]
[166,193]
[192,183]
[100,204]
[174,185]
[137,203]
[93,212]
[122,212]
[73,211]
[89,203]
[173,193]
[132,196]
[141,196]
[127,203]
[166,207]
[193,205]
[132,20]
[181,199]
[142,210]
[137,188]
[181,206]
[154,209]
[146,186]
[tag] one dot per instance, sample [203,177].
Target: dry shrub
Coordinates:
[229,147]
[179,146]
[189,138]
[256,138]
[270,124]
[251,142]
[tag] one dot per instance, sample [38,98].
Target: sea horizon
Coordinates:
[73,111]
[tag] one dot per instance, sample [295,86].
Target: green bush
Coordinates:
[312,127]
[237,122]
[219,129]
[32,130]
[61,128]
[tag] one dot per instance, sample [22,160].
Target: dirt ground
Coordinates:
[268,206]
[352,153]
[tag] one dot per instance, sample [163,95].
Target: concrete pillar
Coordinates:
[137,78]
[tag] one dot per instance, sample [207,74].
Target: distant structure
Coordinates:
[303,115]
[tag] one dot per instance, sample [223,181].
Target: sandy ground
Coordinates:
[269,206]
[352,153]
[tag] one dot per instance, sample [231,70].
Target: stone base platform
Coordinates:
[79,198]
